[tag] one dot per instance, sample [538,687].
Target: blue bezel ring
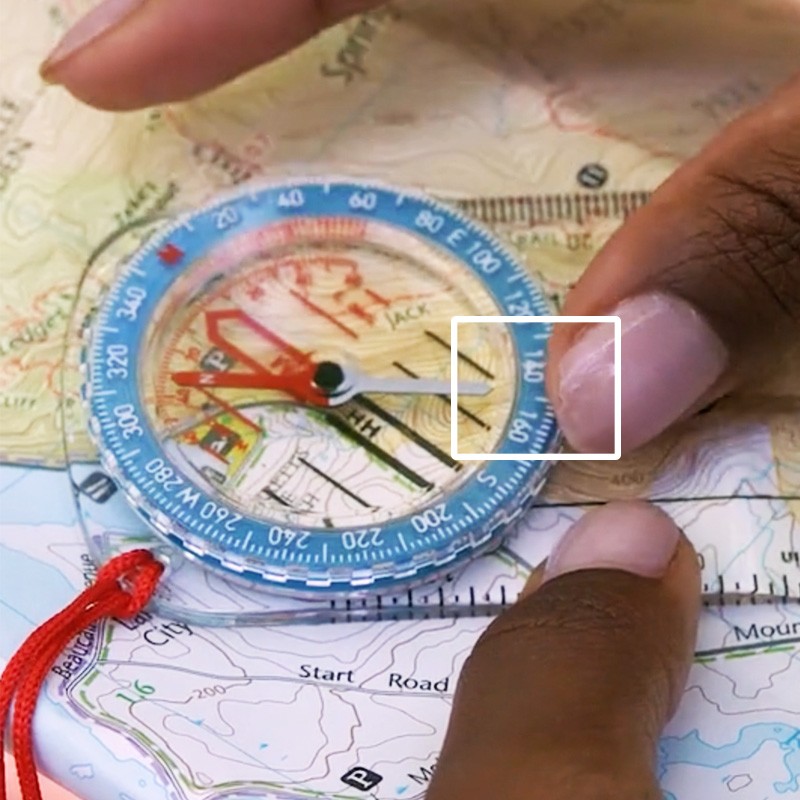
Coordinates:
[309,561]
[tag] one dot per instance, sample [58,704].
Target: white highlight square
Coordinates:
[615,456]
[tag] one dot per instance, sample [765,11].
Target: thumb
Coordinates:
[565,696]
[706,282]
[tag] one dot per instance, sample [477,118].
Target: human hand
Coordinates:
[566,694]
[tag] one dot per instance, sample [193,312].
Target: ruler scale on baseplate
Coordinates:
[485,587]
[541,209]
[266,381]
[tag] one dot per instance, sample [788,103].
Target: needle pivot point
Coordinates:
[328,376]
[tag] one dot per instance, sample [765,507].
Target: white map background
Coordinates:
[513,101]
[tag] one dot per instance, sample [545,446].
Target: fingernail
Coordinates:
[90,27]
[632,536]
[670,357]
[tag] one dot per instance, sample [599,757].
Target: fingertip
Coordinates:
[634,380]
[633,536]
[643,540]
[586,419]
[129,54]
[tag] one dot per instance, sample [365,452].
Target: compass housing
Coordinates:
[213,360]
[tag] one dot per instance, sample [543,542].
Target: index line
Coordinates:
[549,320]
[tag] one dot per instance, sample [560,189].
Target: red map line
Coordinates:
[232,410]
[322,313]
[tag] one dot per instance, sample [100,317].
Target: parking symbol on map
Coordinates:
[98,487]
[362,778]
[592,176]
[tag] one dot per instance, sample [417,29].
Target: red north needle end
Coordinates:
[299,385]
[297,381]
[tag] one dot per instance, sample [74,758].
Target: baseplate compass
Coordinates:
[267,383]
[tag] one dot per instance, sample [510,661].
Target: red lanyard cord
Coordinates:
[123,588]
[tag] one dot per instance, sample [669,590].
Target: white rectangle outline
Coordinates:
[615,456]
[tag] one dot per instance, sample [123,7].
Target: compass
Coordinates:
[268,382]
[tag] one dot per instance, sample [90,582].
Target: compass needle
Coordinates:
[369,383]
[270,381]
[294,383]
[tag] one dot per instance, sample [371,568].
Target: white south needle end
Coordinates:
[349,383]
[368,383]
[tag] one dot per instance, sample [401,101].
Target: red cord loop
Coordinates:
[137,574]
[123,587]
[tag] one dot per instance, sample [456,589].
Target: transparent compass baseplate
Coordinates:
[259,391]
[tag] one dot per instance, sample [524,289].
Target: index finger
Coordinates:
[128,54]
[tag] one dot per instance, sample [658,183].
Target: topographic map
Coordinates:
[548,121]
